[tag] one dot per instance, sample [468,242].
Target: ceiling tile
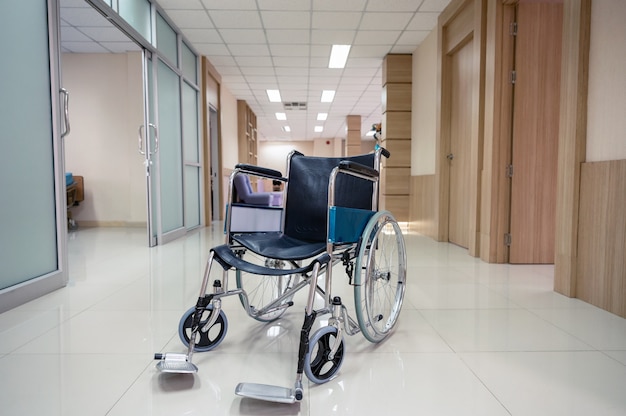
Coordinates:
[289,50]
[254,61]
[423,21]
[249,50]
[349,5]
[85,47]
[121,47]
[376,37]
[71,34]
[190,19]
[202,35]
[80,16]
[412,37]
[212,49]
[336,20]
[227,5]
[110,34]
[387,21]
[286,20]
[369,51]
[288,36]
[298,62]
[434,5]
[180,4]
[332,37]
[243,36]
[228,19]
[283,5]
[395,5]
[257,70]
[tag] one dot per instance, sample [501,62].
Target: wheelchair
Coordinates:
[329,217]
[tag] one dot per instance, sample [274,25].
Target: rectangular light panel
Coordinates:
[273,96]
[328,96]
[339,56]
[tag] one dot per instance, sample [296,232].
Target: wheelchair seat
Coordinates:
[280,246]
[305,230]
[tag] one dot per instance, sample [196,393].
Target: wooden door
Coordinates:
[535,130]
[461,81]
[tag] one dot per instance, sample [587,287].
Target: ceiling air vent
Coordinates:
[294,106]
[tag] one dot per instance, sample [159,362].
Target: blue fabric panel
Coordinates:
[347,224]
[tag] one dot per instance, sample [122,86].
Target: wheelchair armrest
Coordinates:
[260,171]
[350,166]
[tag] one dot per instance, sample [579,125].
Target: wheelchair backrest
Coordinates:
[306,208]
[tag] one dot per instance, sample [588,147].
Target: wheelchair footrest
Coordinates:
[266,392]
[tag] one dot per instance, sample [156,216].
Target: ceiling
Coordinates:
[257,45]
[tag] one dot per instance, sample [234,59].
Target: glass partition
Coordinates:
[170,157]
[137,14]
[166,40]
[33,219]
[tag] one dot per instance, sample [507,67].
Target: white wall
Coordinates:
[273,155]
[606,122]
[106,109]
[424,103]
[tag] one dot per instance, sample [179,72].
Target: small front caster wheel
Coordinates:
[318,367]
[205,341]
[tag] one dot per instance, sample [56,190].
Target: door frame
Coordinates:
[461,20]
[35,287]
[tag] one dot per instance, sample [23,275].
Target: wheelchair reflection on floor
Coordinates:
[329,217]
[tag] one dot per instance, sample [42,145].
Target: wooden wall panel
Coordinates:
[397,124]
[601,264]
[395,180]
[398,68]
[396,97]
[422,217]
[400,152]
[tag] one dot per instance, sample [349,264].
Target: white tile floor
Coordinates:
[473,339]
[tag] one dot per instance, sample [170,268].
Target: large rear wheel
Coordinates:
[380,276]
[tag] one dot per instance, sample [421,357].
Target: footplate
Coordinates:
[267,393]
[175,363]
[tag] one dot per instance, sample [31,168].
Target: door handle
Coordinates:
[140,144]
[156,139]
[450,156]
[66,111]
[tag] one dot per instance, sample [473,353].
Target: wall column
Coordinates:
[353,138]
[396,135]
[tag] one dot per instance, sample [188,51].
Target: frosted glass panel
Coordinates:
[137,14]
[192,196]
[190,124]
[170,148]
[166,40]
[28,235]
[190,66]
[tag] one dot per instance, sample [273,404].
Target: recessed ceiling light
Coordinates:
[287,129]
[273,96]
[319,129]
[328,96]
[281,116]
[338,56]
[322,116]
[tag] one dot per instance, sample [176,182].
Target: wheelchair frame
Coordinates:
[204,326]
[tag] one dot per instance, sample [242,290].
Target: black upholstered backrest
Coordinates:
[306,208]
